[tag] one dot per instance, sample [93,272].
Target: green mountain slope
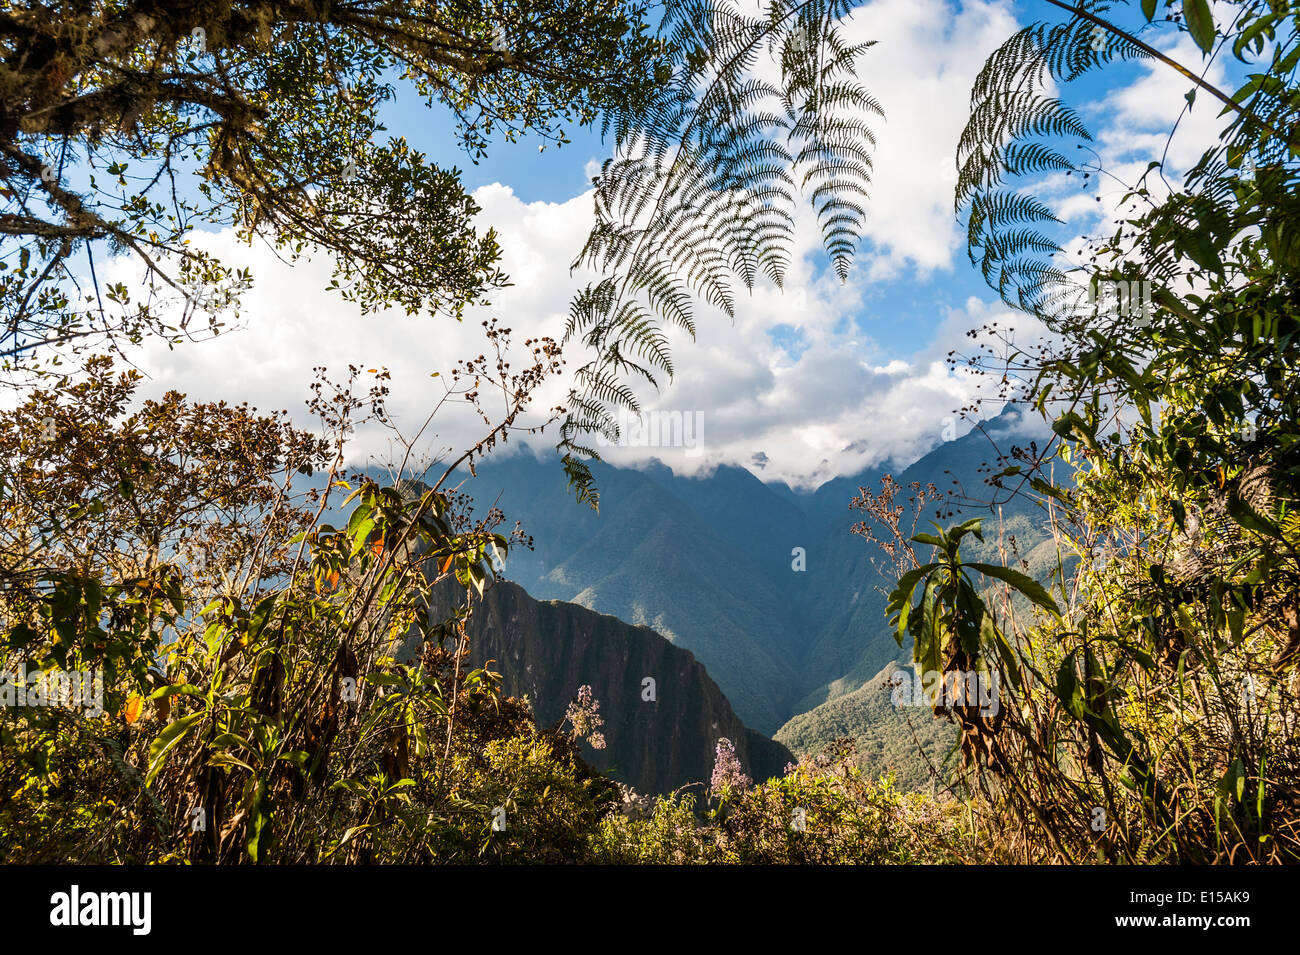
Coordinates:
[707,561]
[889,738]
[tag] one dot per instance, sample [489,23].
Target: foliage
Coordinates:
[822,811]
[914,746]
[93,483]
[252,710]
[701,190]
[129,126]
[1154,720]
[954,634]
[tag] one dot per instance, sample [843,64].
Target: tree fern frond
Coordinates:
[1014,130]
[701,191]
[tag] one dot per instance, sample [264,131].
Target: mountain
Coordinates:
[854,642]
[888,738]
[659,735]
[651,558]
[766,586]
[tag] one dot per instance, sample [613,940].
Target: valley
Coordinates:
[709,563]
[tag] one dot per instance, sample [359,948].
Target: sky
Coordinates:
[821,380]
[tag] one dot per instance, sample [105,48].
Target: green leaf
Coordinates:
[360,533]
[174,594]
[1049,490]
[928,631]
[1031,588]
[900,599]
[1137,653]
[166,741]
[258,818]
[20,636]
[359,514]
[176,689]
[261,614]
[1251,519]
[1149,9]
[227,760]
[1199,23]
[970,617]
[1064,425]
[1067,687]
[992,635]
[297,758]
[1168,300]
[1236,624]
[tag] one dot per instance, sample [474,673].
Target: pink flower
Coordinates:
[727,771]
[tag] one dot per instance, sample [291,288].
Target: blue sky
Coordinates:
[556,174]
[824,380]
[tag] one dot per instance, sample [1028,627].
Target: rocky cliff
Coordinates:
[663,713]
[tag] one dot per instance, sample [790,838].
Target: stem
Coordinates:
[1171,63]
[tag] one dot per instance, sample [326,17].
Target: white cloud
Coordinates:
[921,69]
[292,324]
[809,416]
[841,405]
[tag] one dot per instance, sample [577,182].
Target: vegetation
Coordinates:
[912,746]
[128,126]
[1150,712]
[252,707]
[822,811]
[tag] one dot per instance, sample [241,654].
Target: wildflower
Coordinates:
[584,716]
[727,771]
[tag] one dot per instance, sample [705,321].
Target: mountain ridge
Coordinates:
[766,586]
[659,736]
